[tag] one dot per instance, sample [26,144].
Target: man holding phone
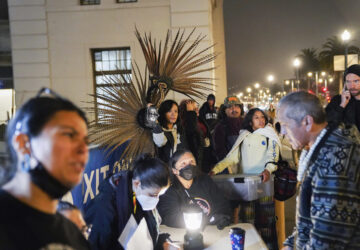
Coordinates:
[346,107]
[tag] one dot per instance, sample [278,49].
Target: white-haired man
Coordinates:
[328,204]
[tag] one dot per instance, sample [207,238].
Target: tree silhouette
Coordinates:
[310,61]
[332,47]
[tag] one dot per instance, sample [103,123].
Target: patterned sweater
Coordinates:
[328,205]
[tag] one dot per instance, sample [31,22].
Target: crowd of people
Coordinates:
[47,140]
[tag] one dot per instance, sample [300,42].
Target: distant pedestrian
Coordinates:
[228,127]
[208,112]
[197,135]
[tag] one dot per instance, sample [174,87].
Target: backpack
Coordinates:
[284,181]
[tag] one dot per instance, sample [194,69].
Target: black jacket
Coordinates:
[164,142]
[111,209]
[225,135]
[347,115]
[208,115]
[192,135]
[203,192]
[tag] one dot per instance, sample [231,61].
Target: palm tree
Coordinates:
[310,61]
[333,46]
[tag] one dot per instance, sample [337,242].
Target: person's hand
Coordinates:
[170,246]
[211,173]
[161,242]
[221,220]
[265,175]
[345,97]
[190,105]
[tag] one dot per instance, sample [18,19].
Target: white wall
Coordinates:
[51,40]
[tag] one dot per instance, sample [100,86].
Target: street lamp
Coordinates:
[297,64]
[309,74]
[248,90]
[345,36]
[270,78]
[257,85]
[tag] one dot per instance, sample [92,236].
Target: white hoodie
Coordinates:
[256,151]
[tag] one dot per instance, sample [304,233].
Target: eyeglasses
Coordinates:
[49,92]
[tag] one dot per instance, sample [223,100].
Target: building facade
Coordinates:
[54,43]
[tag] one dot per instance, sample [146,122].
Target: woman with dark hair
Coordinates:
[47,142]
[254,149]
[258,144]
[167,134]
[188,187]
[134,193]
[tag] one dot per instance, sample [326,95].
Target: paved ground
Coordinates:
[290,208]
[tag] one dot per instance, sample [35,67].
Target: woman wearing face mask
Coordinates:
[187,187]
[128,193]
[167,134]
[256,145]
[47,140]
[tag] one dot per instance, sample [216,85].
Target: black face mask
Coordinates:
[47,183]
[188,172]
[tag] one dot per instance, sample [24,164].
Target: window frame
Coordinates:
[88,4]
[109,72]
[124,1]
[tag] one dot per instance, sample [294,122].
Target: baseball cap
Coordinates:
[231,100]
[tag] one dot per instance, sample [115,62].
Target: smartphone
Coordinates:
[345,89]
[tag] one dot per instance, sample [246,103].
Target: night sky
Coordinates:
[264,36]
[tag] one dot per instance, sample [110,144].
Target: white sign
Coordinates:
[339,61]
[7,104]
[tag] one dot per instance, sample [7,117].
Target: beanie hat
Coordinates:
[211,97]
[353,69]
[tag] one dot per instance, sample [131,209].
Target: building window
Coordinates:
[108,65]
[89,2]
[126,1]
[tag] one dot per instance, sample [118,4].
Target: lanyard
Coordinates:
[134,202]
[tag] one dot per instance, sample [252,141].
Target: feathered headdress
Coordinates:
[176,67]
[122,107]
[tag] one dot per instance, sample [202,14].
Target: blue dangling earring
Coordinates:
[25,165]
